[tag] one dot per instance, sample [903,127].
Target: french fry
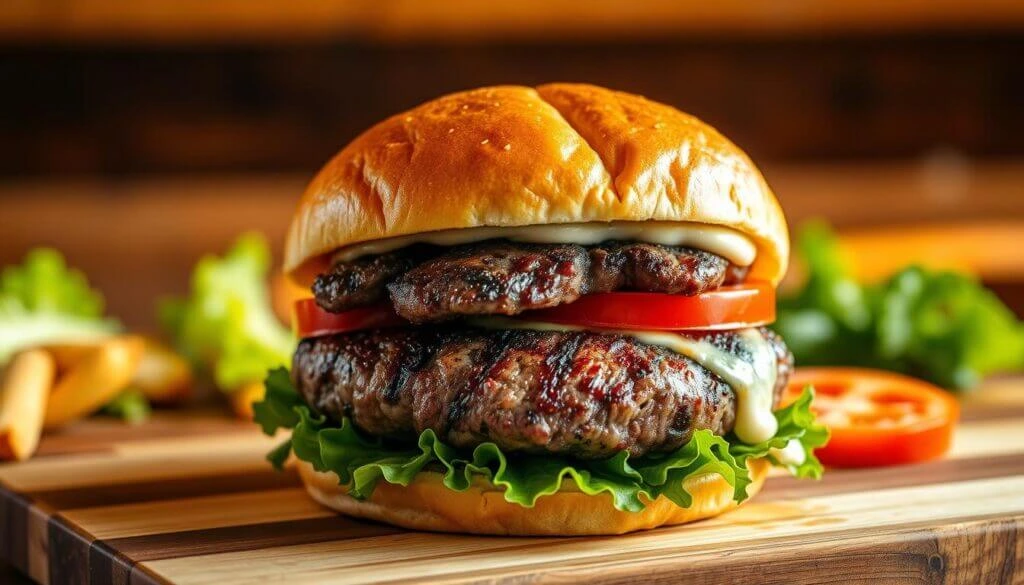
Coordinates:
[242,399]
[96,379]
[68,355]
[24,390]
[163,376]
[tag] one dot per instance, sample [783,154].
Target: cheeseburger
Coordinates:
[538,311]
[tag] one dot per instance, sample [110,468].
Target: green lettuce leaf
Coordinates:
[361,462]
[43,301]
[278,409]
[227,323]
[130,406]
[941,326]
[946,327]
[794,420]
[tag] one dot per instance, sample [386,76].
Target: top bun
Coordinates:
[513,156]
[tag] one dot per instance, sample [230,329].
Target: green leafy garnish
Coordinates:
[130,406]
[43,301]
[227,323]
[941,326]
[361,462]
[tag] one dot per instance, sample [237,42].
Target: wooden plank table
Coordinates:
[189,499]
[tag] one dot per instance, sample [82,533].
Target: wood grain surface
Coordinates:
[191,500]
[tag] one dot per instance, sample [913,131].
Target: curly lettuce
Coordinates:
[362,462]
[227,323]
[941,326]
[44,301]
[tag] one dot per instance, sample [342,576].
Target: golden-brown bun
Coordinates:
[514,156]
[426,504]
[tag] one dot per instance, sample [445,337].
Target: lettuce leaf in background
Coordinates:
[361,462]
[941,326]
[43,301]
[947,326]
[227,323]
[130,406]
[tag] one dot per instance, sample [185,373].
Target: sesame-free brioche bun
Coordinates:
[516,156]
[426,504]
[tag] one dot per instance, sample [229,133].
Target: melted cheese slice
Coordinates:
[727,243]
[753,382]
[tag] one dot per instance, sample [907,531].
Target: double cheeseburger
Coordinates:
[538,311]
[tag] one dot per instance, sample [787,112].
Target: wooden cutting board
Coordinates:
[191,500]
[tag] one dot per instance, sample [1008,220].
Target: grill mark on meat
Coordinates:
[363,281]
[412,359]
[495,278]
[638,266]
[494,348]
[430,283]
[581,394]
[555,367]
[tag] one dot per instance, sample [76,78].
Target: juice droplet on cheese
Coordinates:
[753,382]
[727,243]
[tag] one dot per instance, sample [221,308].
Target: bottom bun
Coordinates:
[426,504]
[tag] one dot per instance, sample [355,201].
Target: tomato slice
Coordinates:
[729,307]
[312,321]
[878,418]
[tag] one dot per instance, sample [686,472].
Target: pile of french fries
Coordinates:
[47,387]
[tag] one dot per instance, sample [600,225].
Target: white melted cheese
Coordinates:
[753,382]
[792,454]
[727,243]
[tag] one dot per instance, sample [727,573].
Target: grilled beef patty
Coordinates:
[499,277]
[583,394]
[364,281]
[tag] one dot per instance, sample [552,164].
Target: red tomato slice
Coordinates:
[729,307]
[312,321]
[876,417]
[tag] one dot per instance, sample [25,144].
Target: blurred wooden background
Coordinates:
[137,136]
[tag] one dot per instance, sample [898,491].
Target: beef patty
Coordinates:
[584,394]
[500,277]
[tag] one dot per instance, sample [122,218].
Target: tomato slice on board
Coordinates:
[729,307]
[312,321]
[877,418]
